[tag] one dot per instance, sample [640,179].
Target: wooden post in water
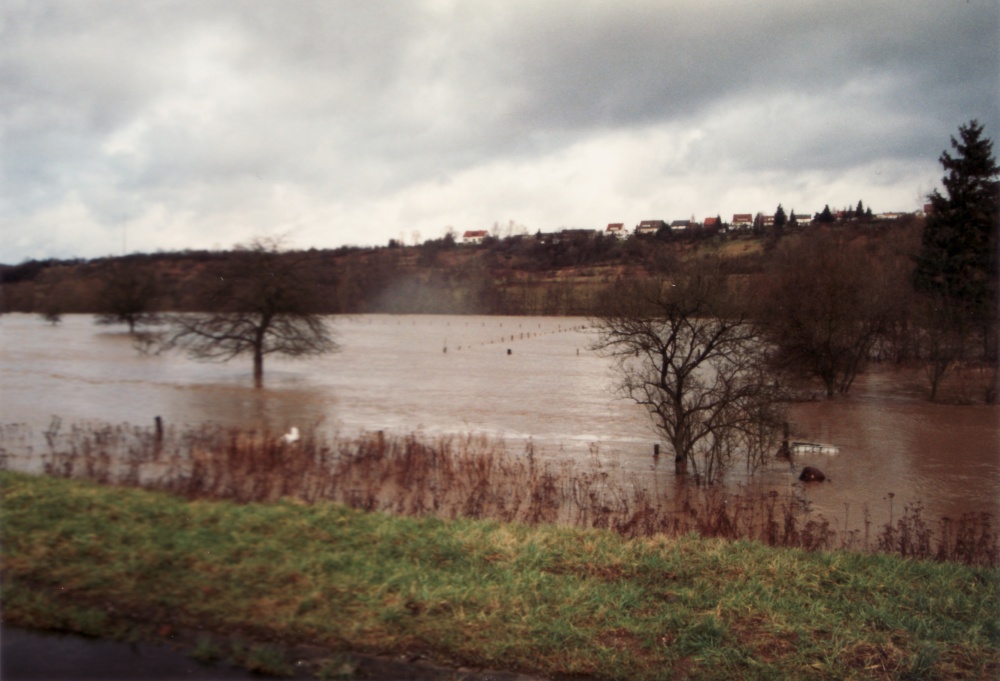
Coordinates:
[159,429]
[656,451]
[785,451]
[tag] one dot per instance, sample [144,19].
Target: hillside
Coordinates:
[517,275]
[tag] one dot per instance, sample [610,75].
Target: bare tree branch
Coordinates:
[701,374]
[266,306]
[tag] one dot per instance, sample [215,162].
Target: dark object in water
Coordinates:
[812,474]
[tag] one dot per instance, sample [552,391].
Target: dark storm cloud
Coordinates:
[856,62]
[181,118]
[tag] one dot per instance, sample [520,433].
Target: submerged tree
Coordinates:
[127,296]
[943,340]
[698,368]
[51,314]
[826,304]
[265,304]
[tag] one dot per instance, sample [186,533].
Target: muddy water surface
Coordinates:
[512,377]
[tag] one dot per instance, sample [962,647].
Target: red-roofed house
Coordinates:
[617,230]
[474,236]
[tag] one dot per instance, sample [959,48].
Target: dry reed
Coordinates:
[471,476]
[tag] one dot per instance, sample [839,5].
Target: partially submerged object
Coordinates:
[812,474]
[814,448]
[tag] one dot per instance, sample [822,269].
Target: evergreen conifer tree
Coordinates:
[779,218]
[956,269]
[958,255]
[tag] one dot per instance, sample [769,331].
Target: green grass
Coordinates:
[543,600]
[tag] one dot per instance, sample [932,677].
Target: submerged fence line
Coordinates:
[467,476]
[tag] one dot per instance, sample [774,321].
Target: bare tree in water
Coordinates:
[698,367]
[827,302]
[265,304]
[128,295]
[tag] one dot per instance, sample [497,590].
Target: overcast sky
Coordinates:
[144,126]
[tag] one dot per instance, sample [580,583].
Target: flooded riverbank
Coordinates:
[513,378]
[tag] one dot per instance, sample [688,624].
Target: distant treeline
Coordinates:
[832,297]
[518,275]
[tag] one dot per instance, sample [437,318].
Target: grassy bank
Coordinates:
[545,600]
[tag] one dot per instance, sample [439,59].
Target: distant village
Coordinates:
[741,222]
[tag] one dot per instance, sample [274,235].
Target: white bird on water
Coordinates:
[291,436]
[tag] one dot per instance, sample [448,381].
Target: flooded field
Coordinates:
[516,378]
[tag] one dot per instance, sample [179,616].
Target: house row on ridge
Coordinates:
[740,222]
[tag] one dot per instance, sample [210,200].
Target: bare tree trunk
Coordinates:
[680,464]
[258,367]
[993,387]
[938,367]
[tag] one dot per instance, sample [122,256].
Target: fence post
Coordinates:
[785,451]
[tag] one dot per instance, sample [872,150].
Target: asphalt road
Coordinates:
[27,654]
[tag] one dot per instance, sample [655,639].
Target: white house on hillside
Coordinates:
[742,221]
[649,227]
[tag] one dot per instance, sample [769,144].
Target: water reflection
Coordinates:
[272,411]
[945,457]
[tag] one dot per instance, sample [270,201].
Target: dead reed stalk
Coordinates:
[468,476]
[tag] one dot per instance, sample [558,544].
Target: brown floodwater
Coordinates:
[518,378]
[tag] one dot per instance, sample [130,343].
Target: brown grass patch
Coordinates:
[878,660]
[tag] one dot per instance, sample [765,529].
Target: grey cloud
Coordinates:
[631,68]
[196,106]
